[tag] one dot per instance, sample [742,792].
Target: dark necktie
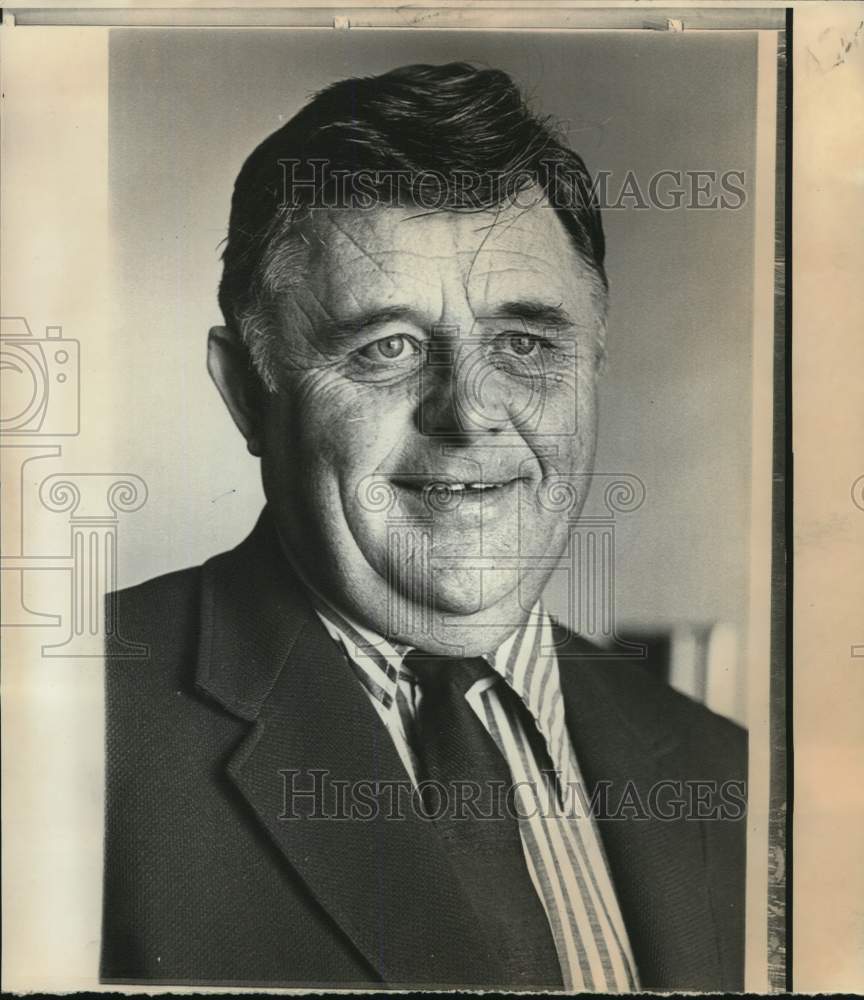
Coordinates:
[458,757]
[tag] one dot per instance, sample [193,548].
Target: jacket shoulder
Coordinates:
[158,590]
[152,612]
[655,713]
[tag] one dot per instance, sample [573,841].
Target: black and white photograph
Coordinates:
[413,505]
[466,708]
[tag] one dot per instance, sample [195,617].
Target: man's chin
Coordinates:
[468,612]
[469,591]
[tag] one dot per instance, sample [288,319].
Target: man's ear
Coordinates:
[238,384]
[602,361]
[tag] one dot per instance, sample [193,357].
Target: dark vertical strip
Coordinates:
[780,809]
[788,493]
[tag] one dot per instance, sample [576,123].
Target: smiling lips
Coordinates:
[444,486]
[467,487]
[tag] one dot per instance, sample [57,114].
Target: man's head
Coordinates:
[412,344]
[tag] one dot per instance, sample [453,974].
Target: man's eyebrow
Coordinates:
[533,311]
[536,312]
[373,317]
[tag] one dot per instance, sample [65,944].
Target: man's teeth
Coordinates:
[469,486]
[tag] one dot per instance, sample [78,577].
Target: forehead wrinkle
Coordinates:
[572,293]
[520,255]
[449,279]
[298,308]
[348,289]
[490,292]
[486,236]
[337,283]
[507,226]
[466,267]
[412,287]
[487,276]
[503,210]
[400,252]
[449,311]
[433,212]
[492,272]
[363,253]
[299,299]
[328,289]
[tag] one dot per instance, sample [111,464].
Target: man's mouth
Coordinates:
[467,487]
[442,489]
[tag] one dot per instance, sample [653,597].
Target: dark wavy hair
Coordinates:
[425,125]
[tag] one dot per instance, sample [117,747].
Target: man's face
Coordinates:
[438,377]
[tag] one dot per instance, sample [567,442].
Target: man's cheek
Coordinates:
[582,415]
[324,393]
[357,428]
[565,420]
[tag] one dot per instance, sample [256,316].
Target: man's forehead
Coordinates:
[488,253]
[376,232]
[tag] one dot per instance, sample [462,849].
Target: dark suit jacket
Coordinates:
[205,883]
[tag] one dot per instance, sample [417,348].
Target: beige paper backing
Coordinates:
[828,439]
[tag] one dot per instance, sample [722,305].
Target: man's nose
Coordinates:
[462,393]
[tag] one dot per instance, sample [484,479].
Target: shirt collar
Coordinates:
[525,660]
[376,661]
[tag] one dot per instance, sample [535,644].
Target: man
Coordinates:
[414,301]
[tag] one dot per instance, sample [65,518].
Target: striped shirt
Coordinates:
[562,849]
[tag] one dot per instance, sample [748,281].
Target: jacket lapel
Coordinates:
[658,866]
[382,875]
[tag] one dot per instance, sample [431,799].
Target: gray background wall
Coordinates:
[187,106]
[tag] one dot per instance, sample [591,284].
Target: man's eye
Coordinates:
[522,344]
[394,348]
